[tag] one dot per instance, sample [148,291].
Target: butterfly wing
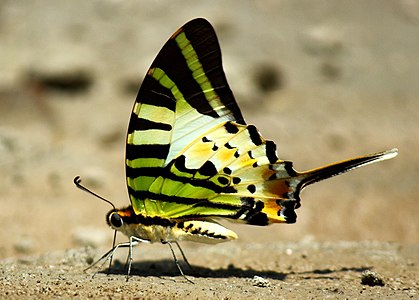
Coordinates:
[184,94]
[233,172]
[225,174]
[191,155]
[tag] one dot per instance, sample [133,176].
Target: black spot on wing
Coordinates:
[180,164]
[227,171]
[254,135]
[251,188]
[289,168]
[231,128]
[208,169]
[181,225]
[236,180]
[259,219]
[288,210]
[273,176]
[247,202]
[252,211]
[228,146]
[223,180]
[259,205]
[271,151]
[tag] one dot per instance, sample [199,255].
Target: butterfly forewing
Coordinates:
[184,94]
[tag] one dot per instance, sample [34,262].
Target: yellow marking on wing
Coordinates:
[144,162]
[151,136]
[156,113]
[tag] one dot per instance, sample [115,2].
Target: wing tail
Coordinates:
[282,209]
[319,174]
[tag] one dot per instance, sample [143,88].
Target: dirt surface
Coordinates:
[304,270]
[326,80]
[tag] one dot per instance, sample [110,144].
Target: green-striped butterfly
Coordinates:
[191,158]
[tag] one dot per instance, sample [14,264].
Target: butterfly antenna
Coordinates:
[77,182]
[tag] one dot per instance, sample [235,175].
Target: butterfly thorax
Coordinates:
[157,229]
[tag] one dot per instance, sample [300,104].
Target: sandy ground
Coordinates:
[305,270]
[325,80]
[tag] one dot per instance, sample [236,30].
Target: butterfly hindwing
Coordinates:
[227,174]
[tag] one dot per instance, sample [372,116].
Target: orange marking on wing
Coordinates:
[277,187]
[271,209]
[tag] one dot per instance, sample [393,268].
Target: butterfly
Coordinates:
[192,159]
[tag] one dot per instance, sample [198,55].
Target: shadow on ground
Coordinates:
[167,267]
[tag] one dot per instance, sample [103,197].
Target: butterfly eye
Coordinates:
[115,220]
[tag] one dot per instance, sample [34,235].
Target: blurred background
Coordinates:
[325,80]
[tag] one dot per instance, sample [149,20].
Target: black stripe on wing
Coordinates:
[170,59]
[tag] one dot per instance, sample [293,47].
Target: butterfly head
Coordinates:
[117,218]
[114,220]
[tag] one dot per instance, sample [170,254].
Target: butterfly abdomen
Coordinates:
[203,231]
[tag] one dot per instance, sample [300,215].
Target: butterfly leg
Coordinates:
[108,255]
[176,260]
[183,256]
[133,241]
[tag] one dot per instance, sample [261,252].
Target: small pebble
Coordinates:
[260,281]
[371,278]
[24,245]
